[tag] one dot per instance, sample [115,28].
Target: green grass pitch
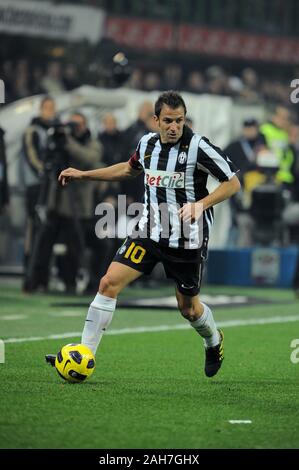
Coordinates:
[149,389]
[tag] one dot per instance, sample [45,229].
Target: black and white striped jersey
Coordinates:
[175,174]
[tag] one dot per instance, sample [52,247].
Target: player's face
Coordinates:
[170,124]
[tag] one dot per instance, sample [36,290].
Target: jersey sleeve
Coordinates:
[214,161]
[134,161]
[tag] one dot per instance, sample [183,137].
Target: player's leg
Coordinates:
[201,319]
[102,308]
[185,267]
[132,259]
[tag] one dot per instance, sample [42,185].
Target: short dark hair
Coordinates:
[172,99]
[250,122]
[78,113]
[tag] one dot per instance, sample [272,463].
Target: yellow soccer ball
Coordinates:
[75,362]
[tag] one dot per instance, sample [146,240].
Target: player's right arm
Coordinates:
[117,172]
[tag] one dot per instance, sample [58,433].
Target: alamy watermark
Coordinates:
[2,92]
[294,96]
[2,352]
[294,358]
[162,220]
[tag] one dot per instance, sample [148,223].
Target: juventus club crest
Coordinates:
[122,249]
[182,158]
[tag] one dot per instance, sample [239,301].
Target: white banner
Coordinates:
[68,22]
[265,265]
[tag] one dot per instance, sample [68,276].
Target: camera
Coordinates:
[56,156]
[57,135]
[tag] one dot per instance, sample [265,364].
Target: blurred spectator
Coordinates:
[132,135]
[143,124]
[243,152]
[21,87]
[195,83]
[217,81]
[69,216]
[151,81]
[189,122]
[276,134]
[36,79]
[136,79]
[250,92]
[4,191]
[5,234]
[235,86]
[52,81]
[33,158]
[250,78]
[172,79]
[7,75]
[70,77]
[291,212]
[111,140]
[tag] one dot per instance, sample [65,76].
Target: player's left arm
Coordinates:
[212,160]
[226,189]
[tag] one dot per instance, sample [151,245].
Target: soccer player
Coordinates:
[176,164]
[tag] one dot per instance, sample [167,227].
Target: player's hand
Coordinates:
[69,174]
[191,211]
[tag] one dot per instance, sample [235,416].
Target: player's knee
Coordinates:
[108,287]
[187,312]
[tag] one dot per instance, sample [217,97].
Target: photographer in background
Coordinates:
[4,192]
[69,214]
[4,201]
[243,152]
[33,156]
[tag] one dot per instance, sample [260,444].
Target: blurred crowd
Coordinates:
[65,217]
[23,79]
[265,212]
[249,86]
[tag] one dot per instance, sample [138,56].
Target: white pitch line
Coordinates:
[155,329]
[12,317]
[67,313]
[240,421]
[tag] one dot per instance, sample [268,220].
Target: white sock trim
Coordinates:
[203,317]
[98,319]
[102,302]
[206,327]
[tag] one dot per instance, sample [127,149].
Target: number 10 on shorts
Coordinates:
[135,253]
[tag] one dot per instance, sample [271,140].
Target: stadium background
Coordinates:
[231,61]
